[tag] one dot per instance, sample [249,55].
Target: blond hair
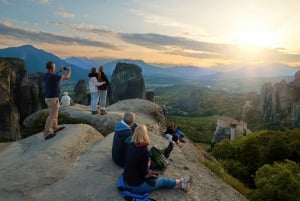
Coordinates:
[140,135]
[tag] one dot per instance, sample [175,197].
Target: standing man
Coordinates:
[52,90]
[102,90]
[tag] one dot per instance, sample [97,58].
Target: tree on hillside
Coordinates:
[253,119]
[278,182]
[243,157]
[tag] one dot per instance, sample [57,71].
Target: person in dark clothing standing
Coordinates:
[137,174]
[52,91]
[122,137]
[102,90]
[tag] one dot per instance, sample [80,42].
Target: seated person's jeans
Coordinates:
[161,182]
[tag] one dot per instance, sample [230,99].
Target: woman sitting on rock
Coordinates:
[137,176]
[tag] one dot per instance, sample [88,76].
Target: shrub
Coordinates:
[278,182]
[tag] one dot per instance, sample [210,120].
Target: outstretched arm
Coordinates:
[67,75]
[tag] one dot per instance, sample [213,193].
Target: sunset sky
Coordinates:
[165,32]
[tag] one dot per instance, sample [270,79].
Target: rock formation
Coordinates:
[188,104]
[150,96]
[76,164]
[279,103]
[21,96]
[32,95]
[251,102]
[127,82]
[104,125]
[80,93]
[13,77]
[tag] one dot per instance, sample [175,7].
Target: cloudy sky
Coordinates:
[166,32]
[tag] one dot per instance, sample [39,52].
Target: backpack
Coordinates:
[158,160]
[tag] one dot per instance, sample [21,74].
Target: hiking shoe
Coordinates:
[103,112]
[185,183]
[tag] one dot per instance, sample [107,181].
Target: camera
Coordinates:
[65,68]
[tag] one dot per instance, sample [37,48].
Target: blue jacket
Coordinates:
[122,137]
[129,196]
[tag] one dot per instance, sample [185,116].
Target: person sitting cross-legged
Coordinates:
[137,176]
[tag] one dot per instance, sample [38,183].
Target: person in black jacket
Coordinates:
[138,177]
[102,90]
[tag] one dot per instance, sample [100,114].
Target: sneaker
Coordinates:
[185,183]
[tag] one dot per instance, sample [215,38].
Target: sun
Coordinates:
[256,38]
[253,31]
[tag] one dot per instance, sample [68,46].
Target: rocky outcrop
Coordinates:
[32,95]
[295,109]
[251,102]
[127,82]
[279,103]
[76,164]
[21,96]
[80,93]
[13,77]
[188,104]
[104,124]
[150,96]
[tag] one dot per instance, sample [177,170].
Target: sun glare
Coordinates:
[260,39]
[255,31]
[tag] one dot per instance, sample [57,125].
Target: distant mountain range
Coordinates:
[35,60]
[151,73]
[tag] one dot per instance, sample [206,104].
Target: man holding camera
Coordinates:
[52,91]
